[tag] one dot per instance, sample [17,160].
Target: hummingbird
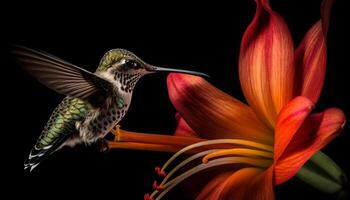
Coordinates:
[94,102]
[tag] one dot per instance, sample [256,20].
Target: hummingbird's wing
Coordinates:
[60,128]
[63,77]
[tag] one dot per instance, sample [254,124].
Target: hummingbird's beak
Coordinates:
[162,69]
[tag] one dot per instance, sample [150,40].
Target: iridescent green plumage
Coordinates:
[63,120]
[112,56]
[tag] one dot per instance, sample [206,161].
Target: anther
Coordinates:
[160,172]
[157,187]
[147,197]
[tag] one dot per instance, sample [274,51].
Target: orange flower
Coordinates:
[263,144]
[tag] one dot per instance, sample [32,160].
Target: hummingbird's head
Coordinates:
[122,61]
[126,68]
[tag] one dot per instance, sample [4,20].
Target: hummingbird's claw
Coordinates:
[116,133]
[102,145]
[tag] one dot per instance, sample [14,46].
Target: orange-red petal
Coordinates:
[261,187]
[248,184]
[211,189]
[317,131]
[212,113]
[182,128]
[289,121]
[311,57]
[266,66]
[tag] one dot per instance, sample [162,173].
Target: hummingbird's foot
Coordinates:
[102,145]
[116,133]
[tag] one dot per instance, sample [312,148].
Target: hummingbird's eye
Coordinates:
[132,64]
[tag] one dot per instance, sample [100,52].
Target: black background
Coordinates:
[202,36]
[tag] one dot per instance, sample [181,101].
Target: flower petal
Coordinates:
[317,131]
[289,121]
[182,128]
[248,184]
[211,189]
[266,63]
[261,187]
[212,113]
[311,57]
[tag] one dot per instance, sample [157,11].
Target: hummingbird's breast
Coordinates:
[101,120]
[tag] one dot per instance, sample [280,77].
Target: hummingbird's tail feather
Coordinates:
[30,166]
[26,165]
[38,154]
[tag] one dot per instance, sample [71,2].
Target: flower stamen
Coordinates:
[183,163]
[219,141]
[239,152]
[256,162]
[256,155]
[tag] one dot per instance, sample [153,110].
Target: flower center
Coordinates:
[211,154]
[241,152]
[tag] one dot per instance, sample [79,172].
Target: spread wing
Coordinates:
[63,77]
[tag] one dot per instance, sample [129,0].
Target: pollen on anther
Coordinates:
[160,172]
[157,187]
[147,197]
